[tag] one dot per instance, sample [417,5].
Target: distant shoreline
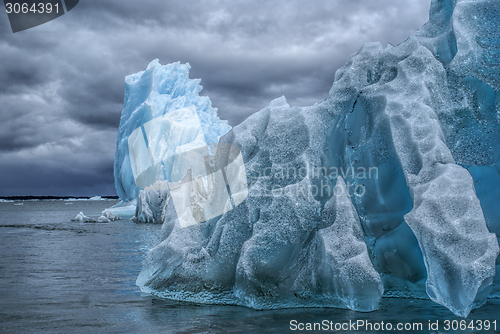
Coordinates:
[26,198]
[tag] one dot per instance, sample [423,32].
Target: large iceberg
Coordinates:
[388,187]
[163,115]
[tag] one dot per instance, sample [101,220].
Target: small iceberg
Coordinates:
[83,219]
[107,216]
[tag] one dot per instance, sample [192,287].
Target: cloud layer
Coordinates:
[61,89]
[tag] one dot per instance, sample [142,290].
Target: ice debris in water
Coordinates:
[124,209]
[96,198]
[105,217]
[83,219]
[389,186]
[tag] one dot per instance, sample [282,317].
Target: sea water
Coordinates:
[61,276]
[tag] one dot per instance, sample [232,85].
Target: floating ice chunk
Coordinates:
[83,219]
[107,216]
[124,209]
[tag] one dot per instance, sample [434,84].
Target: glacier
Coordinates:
[388,187]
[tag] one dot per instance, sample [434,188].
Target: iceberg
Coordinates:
[80,217]
[160,106]
[386,188]
[107,216]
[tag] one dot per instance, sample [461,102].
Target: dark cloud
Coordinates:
[62,87]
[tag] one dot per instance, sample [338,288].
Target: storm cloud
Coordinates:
[62,83]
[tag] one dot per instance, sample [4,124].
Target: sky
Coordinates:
[62,83]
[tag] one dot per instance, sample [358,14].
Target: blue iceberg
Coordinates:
[161,102]
[387,188]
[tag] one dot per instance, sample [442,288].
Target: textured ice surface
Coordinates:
[151,205]
[388,186]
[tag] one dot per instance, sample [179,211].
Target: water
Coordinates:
[59,276]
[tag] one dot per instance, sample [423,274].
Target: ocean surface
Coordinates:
[61,276]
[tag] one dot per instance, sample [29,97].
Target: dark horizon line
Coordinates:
[24,198]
